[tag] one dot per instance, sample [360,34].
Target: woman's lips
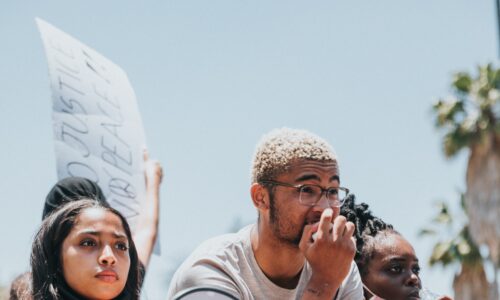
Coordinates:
[107,276]
[414,295]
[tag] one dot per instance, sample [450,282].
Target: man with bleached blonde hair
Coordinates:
[299,248]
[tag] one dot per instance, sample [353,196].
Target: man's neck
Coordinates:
[282,263]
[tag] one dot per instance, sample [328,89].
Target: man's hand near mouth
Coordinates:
[330,254]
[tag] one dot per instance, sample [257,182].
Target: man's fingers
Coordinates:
[325,223]
[305,241]
[339,227]
[336,212]
[145,154]
[349,229]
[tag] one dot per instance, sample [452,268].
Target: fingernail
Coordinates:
[328,212]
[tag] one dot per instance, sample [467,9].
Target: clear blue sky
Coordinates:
[212,76]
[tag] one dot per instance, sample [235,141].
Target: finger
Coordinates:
[156,164]
[324,223]
[338,227]
[305,240]
[336,212]
[315,227]
[349,229]
[145,154]
[160,170]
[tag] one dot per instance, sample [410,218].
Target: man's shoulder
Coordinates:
[223,244]
[215,262]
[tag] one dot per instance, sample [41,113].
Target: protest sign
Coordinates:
[97,126]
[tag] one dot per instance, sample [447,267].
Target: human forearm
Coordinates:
[318,288]
[147,225]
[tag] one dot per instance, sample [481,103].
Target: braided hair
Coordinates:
[369,230]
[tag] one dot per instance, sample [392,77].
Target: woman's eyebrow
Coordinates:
[115,234]
[401,259]
[88,231]
[397,259]
[120,235]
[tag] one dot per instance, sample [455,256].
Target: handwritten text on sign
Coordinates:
[97,126]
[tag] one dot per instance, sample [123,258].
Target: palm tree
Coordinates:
[471,119]
[457,247]
[497,2]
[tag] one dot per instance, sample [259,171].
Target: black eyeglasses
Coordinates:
[310,194]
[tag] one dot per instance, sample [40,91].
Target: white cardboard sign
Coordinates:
[98,130]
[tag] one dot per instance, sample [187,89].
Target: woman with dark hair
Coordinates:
[84,250]
[146,229]
[75,188]
[386,261]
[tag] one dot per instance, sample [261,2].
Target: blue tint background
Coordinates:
[212,76]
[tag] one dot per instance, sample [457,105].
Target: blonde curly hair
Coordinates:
[278,149]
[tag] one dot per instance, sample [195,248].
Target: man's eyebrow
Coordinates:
[307,177]
[335,177]
[315,177]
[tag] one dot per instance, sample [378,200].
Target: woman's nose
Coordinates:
[107,256]
[413,280]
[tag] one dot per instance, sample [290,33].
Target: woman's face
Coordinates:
[392,273]
[95,256]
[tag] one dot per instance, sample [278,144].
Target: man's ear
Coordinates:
[260,196]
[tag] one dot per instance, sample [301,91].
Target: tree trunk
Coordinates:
[482,197]
[471,283]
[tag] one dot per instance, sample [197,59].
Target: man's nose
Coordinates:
[323,202]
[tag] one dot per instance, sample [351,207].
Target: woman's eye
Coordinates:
[87,243]
[416,270]
[122,246]
[396,269]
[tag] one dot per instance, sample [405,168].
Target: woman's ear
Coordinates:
[260,197]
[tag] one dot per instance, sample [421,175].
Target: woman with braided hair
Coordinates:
[386,261]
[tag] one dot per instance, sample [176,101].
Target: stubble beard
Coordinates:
[283,230]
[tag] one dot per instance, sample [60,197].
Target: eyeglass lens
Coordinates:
[311,194]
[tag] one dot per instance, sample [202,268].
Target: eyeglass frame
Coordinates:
[300,186]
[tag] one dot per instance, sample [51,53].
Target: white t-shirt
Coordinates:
[228,263]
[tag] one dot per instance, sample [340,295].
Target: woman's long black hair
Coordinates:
[48,281]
